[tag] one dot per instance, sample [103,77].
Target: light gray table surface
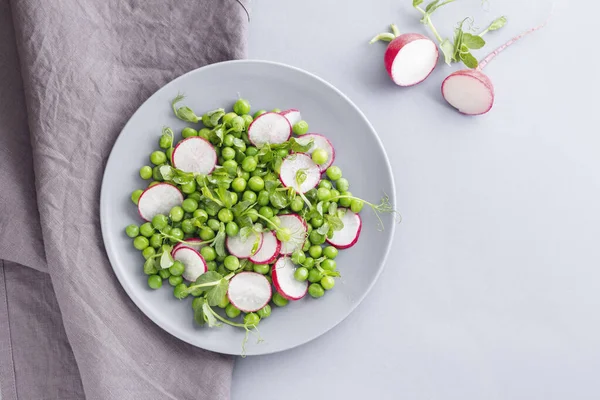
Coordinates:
[492,289]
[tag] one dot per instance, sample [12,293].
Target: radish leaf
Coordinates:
[469,60]
[473,41]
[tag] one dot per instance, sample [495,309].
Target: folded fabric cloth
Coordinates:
[71,74]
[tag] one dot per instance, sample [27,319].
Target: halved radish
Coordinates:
[272,128]
[243,249]
[158,199]
[193,261]
[319,142]
[292,115]
[268,251]
[410,58]
[348,235]
[298,229]
[194,243]
[298,164]
[284,281]
[195,154]
[469,91]
[249,291]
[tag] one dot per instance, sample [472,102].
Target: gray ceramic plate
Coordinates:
[267,85]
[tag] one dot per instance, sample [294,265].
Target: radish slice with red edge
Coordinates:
[292,115]
[243,248]
[284,281]
[319,142]
[296,164]
[469,91]
[158,199]
[269,128]
[194,243]
[249,291]
[348,235]
[193,261]
[195,154]
[268,251]
[298,229]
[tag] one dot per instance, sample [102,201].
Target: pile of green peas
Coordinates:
[315,263]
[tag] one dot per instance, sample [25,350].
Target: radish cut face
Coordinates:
[296,165]
[195,154]
[194,243]
[348,235]
[193,261]
[469,91]
[249,291]
[269,128]
[284,281]
[319,142]
[298,229]
[158,199]
[244,249]
[410,58]
[268,251]
[292,115]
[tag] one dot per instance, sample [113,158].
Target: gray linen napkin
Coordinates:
[71,73]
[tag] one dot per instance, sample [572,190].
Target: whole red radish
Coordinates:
[409,58]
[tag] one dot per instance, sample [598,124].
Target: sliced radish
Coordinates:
[410,58]
[193,261]
[319,142]
[158,199]
[284,281]
[195,154]
[243,249]
[249,291]
[272,128]
[470,91]
[348,235]
[268,251]
[292,115]
[194,243]
[291,167]
[298,228]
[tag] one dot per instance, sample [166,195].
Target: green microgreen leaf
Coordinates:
[448,50]
[469,60]
[209,316]
[219,241]
[165,259]
[473,42]
[184,113]
[215,294]
[301,176]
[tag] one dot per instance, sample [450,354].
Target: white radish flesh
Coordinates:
[292,115]
[158,199]
[193,261]
[296,164]
[244,248]
[410,58]
[195,154]
[469,91]
[269,128]
[284,281]
[249,291]
[319,142]
[349,234]
[298,229]
[268,251]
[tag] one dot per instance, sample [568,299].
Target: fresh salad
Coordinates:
[243,205]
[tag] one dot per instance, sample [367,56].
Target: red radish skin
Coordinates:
[348,236]
[194,243]
[195,265]
[298,226]
[319,141]
[243,249]
[292,115]
[249,291]
[195,154]
[272,128]
[410,58]
[269,249]
[158,199]
[284,281]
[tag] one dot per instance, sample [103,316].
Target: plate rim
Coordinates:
[104,205]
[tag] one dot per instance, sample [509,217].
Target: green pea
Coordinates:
[328,265]
[334,173]
[232,311]
[177,268]
[251,319]
[231,263]
[164,273]
[146,172]
[238,124]
[176,214]
[271,176]
[187,226]
[261,268]
[317,222]
[251,151]
[225,215]
[300,127]
[298,257]
[241,107]
[249,267]
[206,234]
[159,221]
[282,153]
[156,175]
[154,282]
[238,185]
[276,221]
[259,113]
[180,291]
[266,212]
[240,157]
[319,156]
[228,140]
[148,252]
[234,197]
[311,194]
[189,188]
[213,224]
[334,194]
[189,205]
[156,240]
[140,243]
[166,230]
[208,253]
[201,215]
[195,196]
[314,275]
[324,183]
[158,157]
[316,290]
[297,204]
[165,141]
[301,274]
[307,244]
[316,238]
[211,265]
[188,132]
[132,230]
[315,251]
[309,262]
[330,252]
[170,153]
[344,201]
[177,234]
[253,214]
[247,120]
[256,183]
[227,118]
[279,300]
[204,133]
[150,267]
[263,198]
[342,184]
[323,194]
[264,312]
[356,205]
[153,183]
[228,153]
[249,164]
[135,196]
[175,280]
[232,229]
